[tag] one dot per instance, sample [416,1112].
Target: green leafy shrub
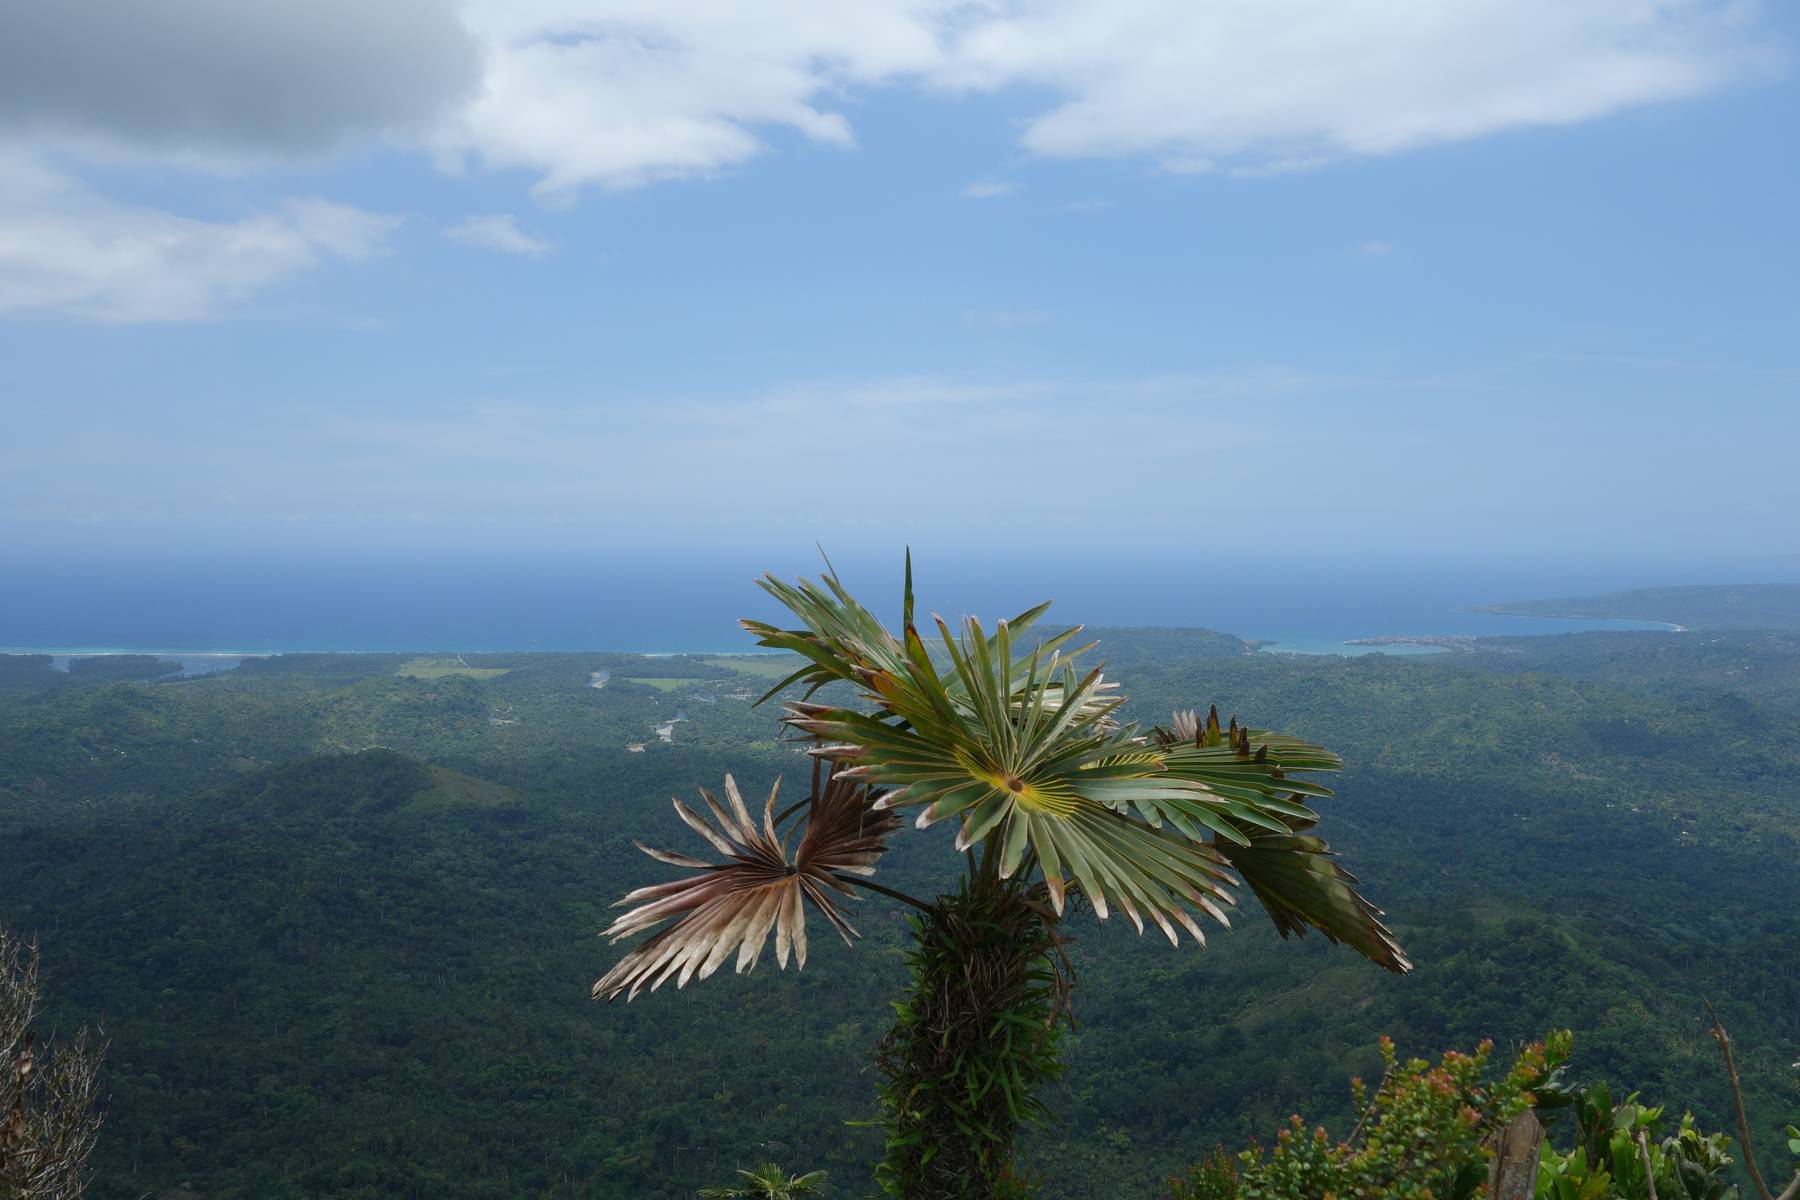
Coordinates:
[1618,1155]
[1429,1132]
[1424,1135]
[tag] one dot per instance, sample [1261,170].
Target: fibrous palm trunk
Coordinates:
[974,1041]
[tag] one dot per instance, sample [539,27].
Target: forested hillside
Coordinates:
[337,913]
[1706,606]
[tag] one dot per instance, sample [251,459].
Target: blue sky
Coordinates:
[572,276]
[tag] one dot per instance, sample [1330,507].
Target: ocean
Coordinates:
[670,604]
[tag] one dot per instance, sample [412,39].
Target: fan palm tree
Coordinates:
[1053,798]
[770,1182]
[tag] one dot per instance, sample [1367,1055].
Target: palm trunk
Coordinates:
[974,1041]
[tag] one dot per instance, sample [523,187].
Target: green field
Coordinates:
[769,666]
[453,789]
[441,668]
[664,685]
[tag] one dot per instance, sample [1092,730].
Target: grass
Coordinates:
[453,789]
[439,668]
[768,666]
[665,685]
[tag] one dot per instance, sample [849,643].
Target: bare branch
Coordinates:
[1743,1119]
[1643,1144]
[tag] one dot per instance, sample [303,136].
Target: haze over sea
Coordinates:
[649,603]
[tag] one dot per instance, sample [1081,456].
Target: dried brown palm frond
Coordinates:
[732,907]
[49,1121]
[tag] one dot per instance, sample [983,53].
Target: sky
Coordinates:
[566,277]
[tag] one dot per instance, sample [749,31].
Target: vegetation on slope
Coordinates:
[1713,606]
[309,996]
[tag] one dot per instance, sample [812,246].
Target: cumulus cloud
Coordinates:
[617,93]
[498,231]
[1258,85]
[226,80]
[584,94]
[66,251]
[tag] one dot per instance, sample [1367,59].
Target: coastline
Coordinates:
[1499,611]
[114,651]
[1438,643]
[1296,644]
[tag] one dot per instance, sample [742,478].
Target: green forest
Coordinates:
[336,915]
[1705,606]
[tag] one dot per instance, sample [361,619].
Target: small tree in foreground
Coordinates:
[770,1182]
[1429,1133]
[1425,1134]
[1052,797]
[47,1118]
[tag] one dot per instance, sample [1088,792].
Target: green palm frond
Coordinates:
[1246,774]
[732,907]
[1025,752]
[845,641]
[1296,878]
[1300,884]
[770,1182]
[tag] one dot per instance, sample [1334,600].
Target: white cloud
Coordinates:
[621,93]
[65,250]
[498,231]
[1372,249]
[1264,85]
[617,93]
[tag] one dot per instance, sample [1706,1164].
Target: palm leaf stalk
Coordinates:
[1005,733]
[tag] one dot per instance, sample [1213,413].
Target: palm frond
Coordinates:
[1296,878]
[842,640]
[770,1182]
[1301,886]
[732,907]
[1025,751]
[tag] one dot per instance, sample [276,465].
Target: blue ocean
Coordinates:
[691,603]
